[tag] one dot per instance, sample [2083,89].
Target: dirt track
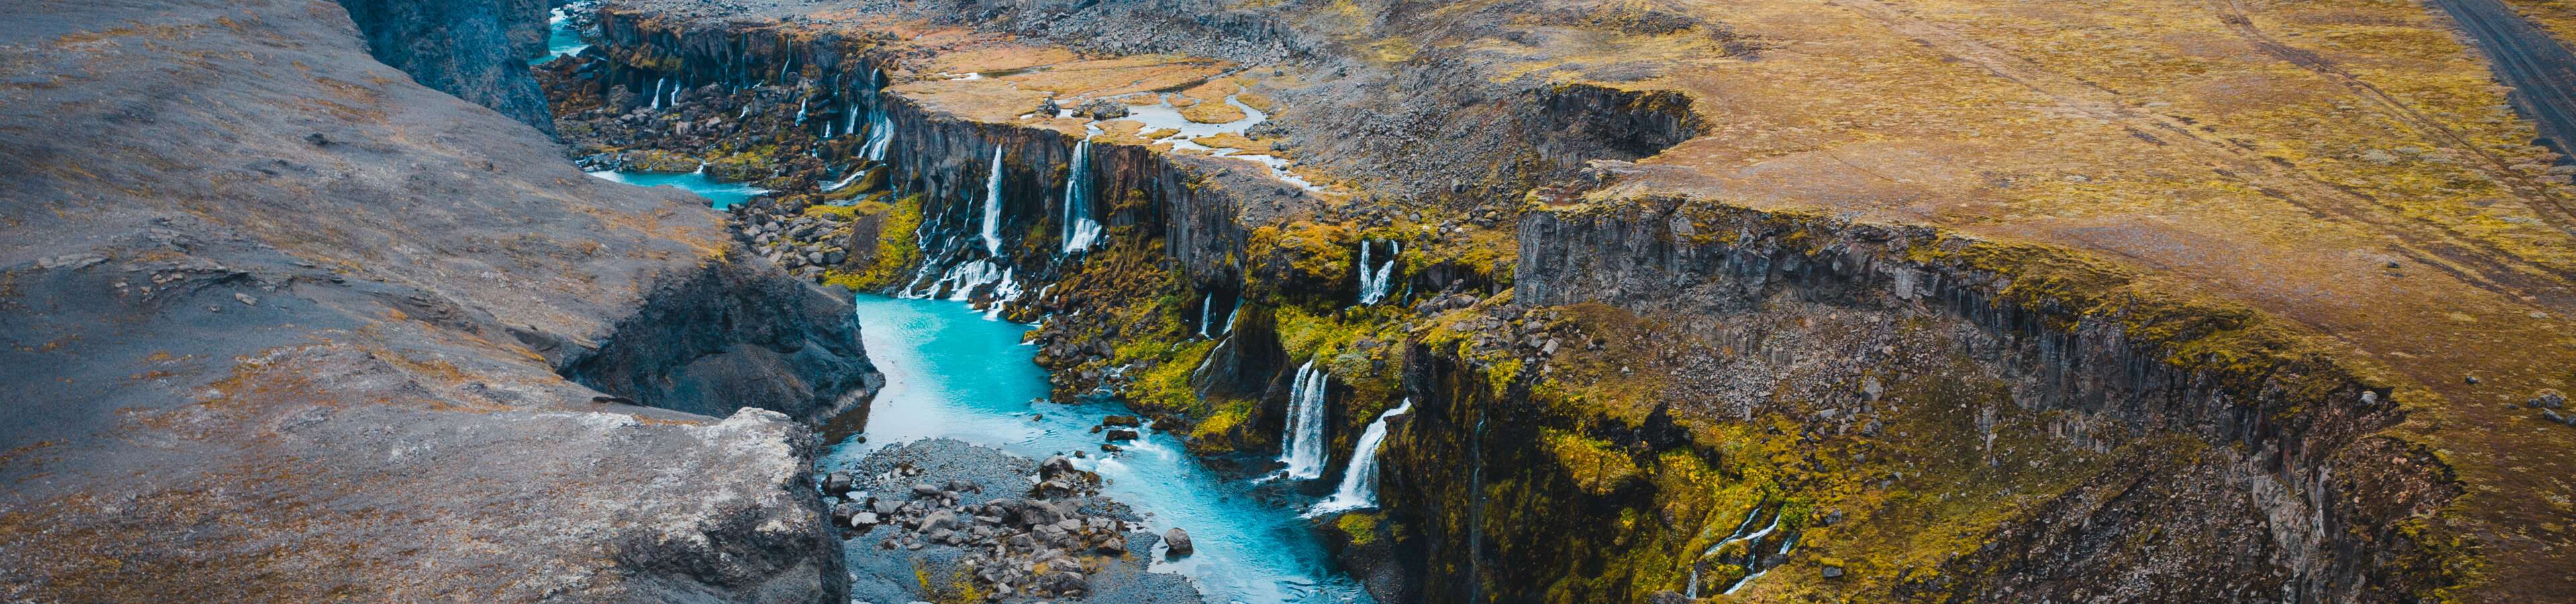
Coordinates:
[2541,71]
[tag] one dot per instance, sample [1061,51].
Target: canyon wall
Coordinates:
[474,49]
[1922,415]
[2060,415]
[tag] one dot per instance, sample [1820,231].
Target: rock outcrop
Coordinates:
[283,323]
[730,335]
[474,49]
[939,519]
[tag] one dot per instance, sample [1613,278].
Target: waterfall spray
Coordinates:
[1080,230]
[1359,481]
[1304,452]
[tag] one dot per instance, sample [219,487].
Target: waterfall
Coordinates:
[1752,556]
[800,112]
[1210,359]
[1206,306]
[993,206]
[1080,230]
[849,119]
[1359,481]
[964,278]
[1374,285]
[1785,544]
[855,173]
[1305,437]
[1231,314]
[657,92]
[1004,292]
[880,134]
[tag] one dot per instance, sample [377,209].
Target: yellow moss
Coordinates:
[1212,112]
[1596,466]
[1360,526]
[896,251]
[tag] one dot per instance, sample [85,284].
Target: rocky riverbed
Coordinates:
[944,520]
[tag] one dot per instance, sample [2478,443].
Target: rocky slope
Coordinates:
[1882,300]
[942,520]
[285,323]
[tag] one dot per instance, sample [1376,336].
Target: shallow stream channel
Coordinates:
[953,373]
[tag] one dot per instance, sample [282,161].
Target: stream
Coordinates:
[951,372]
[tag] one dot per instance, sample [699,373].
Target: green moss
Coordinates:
[1596,466]
[896,251]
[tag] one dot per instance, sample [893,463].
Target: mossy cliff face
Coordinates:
[1187,240]
[1938,418]
[1916,415]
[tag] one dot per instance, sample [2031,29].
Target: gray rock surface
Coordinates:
[281,322]
[979,523]
[474,49]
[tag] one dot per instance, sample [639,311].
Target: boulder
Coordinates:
[1103,109]
[1122,434]
[1179,542]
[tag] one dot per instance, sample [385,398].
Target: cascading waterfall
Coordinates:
[993,206]
[1785,544]
[1752,558]
[1305,451]
[1231,314]
[1359,481]
[657,92]
[800,112]
[1210,359]
[855,173]
[1374,285]
[1004,292]
[1080,230]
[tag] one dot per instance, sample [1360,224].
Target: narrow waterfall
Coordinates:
[1304,451]
[1210,359]
[880,134]
[850,118]
[1785,544]
[1206,309]
[1080,230]
[1359,481]
[993,206]
[855,173]
[1232,314]
[1753,558]
[800,111]
[1375,284]
[657,92]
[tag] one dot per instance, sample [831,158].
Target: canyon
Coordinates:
[1490,301]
